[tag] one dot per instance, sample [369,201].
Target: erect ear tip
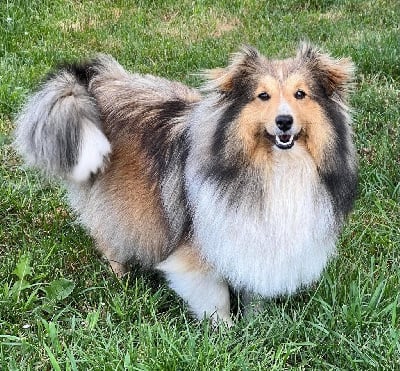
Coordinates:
[307,50]
[249,51]
[348,65]
[244,61]
[246,55]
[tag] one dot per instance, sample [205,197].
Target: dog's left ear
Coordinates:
[242,64]
[336,75]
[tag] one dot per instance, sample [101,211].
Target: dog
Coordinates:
[244,183]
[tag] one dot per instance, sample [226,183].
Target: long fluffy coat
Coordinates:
[246,184]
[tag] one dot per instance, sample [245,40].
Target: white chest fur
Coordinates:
[276,248]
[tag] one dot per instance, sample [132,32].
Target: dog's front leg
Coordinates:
[206,294]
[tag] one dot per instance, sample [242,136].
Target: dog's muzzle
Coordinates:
[283,141]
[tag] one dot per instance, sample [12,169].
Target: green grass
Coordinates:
[60,306]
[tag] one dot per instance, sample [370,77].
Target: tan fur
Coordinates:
[220,75]
[339,72]
[189,259]
[316,134]
[136,199]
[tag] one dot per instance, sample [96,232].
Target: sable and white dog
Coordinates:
[245,184]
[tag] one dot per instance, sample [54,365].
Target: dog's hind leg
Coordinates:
[206,294]
[118,267]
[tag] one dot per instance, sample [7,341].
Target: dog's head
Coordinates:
[277,105]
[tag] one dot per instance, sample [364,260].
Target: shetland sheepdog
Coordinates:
[244,183]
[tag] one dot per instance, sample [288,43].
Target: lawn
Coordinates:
[61,307]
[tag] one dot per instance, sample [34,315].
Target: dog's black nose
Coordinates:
[284,122]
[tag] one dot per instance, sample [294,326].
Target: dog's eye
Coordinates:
[264,96]
[300,94]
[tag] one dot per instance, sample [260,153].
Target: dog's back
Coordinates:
[117,139]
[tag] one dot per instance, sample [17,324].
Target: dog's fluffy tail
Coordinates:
[59,130]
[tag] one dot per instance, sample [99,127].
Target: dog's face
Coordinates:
[282,104]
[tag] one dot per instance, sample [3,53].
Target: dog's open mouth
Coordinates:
[283,141]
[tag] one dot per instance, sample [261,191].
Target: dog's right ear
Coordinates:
[218,79]
[242,65]
[335,75]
